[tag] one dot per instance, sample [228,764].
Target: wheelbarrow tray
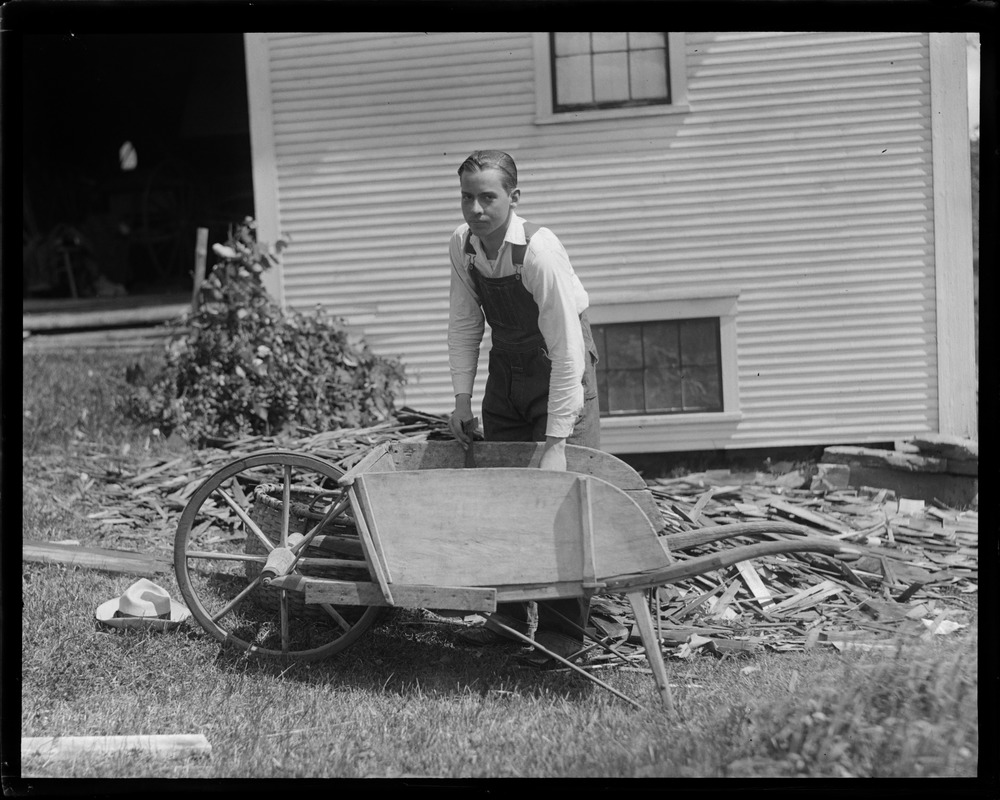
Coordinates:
[436,535]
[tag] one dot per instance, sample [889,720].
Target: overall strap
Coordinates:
[517,251]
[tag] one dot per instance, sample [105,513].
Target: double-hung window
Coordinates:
[608,70]
[596,75]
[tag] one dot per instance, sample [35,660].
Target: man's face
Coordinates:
[485,203]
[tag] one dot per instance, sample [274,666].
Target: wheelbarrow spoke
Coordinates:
[238,599]
[226,533]
[343,623]
[213,556]
[286,502]
[299,547]
[284,617]
[245,519]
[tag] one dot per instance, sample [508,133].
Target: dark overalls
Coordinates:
[515,405]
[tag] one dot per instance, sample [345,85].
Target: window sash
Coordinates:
[591,71]
[659,367]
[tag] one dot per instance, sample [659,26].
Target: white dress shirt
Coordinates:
[561,298]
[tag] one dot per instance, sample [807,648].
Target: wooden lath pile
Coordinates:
[918,560]
[140,507]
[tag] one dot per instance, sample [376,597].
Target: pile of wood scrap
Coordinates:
[138,503]
[919,565]
[917,573]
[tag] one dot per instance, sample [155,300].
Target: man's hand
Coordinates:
[460,417]
[554,454]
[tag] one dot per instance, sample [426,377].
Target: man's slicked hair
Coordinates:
[492,159]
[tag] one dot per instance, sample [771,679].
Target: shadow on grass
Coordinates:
[406,656]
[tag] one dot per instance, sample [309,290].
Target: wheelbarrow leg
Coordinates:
[652,644]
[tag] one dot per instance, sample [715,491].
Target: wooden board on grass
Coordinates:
[141,564]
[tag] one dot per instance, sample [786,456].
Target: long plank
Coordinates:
[57,320]
[873,457]
[140,564]
[455,598]
[158,745]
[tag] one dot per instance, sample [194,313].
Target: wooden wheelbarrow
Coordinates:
[284,554]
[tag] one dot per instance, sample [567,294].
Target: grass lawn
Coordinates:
[406,700]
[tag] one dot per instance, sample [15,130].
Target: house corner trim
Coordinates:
[956,376]
[265,169]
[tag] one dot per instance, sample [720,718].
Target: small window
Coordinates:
[659,367]
[609,70]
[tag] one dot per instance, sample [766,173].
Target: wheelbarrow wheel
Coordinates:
[229,527]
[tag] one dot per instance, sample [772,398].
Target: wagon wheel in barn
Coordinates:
[235,519]
[169,207]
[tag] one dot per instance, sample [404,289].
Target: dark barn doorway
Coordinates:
[131,143]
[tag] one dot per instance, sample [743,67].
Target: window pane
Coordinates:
[660,344]
[663,390]
[610,77]
[573,80]
[659,367]
[625,391]
[624,346]
[649,74]
[570,44]
[640,41]
[701,389]
[700,342]
[603,42]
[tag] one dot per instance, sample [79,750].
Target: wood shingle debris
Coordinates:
[917,573]
[919,562]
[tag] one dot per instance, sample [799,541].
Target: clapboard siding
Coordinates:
[800,176]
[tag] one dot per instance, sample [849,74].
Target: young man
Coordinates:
[541,385]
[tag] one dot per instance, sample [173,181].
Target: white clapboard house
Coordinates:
[774,228]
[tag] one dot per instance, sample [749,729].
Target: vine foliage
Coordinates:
[242,365]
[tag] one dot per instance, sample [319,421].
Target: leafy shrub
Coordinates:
[241,365]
